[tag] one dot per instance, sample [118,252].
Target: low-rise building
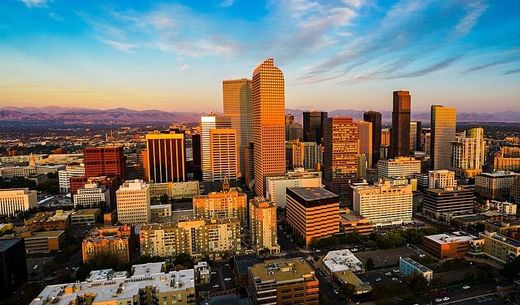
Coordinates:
[275,187]
[444,246]
[92,195]
[340,260]
[71,170]
[510,228]
[119,241]
[408,266]
[352,223]
[400,167]
[161,212]
[43,242]
[85,217]
[499,247]
[49,221]
[175,190]
[146,286]
[17,200]
[283,281]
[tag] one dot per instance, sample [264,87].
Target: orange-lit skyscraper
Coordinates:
[105,161]
[400,138]
[238,106]
[340,159]
[268,123]
[443,122]
[165,157]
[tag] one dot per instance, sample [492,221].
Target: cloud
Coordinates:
[56,16]
[412,39]
[227,3]
[122,46]
[184,67]
[486,66]
[354,3]
[514,71]
[168,28]
[35,3]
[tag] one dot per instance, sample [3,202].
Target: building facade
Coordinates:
[133,202]
[105,161]
[207,124]
[224,154]
[468,153]
[268,123]
[118,241]
[400,132]
[91,195]
[365,141]
[495,186]
[219,205]
[13,268]
[444,203]
[262,223]
[375,118]
[443,121]
[340,159]
[13,201]
[276,186]
[312,213]
[313,124]
[441,179]
[165,159]
[401,167]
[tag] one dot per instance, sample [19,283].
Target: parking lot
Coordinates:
[384,258]
[380,276]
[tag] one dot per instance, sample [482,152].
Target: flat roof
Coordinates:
[7,243]
[342,260]
[417,265]
[57,233]
[281,270]
[312,193]
[147,269]
[450,238]
[85,212]
[499,174]
[244,262]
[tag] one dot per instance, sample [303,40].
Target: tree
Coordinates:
[369,264]
[512,269]
[185,260]
[347,291]
[417,283]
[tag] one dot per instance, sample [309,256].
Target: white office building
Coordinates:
[13,201]
[275,187]
[76,170]
[91,195]
[400,167]
[133,202]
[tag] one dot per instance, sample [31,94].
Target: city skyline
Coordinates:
[173,56]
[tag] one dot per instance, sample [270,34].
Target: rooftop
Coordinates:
[117,288]
[147,269]
[499,174]
[417,265]
[282,270]
[312,193]
[7,243]
[502,238]
[451,238]
[86,212]
[342,260]
[48,234]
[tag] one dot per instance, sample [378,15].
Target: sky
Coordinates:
[344,54]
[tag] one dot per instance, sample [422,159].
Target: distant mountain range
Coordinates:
[74,115]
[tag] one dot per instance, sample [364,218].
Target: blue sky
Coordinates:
[345,54]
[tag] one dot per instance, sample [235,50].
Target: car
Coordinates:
[446,298]
[388,273]
[466,287]
[353,249]
[216,286]
[35,267]
[438,300]
[395,271]
[394,279]
[378,279]
[336,291]
[227,279]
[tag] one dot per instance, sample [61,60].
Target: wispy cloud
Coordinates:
[35,3]
[168,28]
[56,16]
[514,71]
[227,3]
[184,67]
[414,38]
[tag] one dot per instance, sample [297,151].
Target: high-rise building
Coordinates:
[313,124]
[276,186]
[118,241]
[401,167]
[262,222]
[375,118]
[13,268]
[199,238]
[426,140]
[197,157]
[166,157]
[268,123]
[105,161]
[17,200]
[293,130]
[224,155]
[384,203]
[365,133]
[133,202]
[415,135]
[340,158]
[443,121]
[468,153]
[312,212]
[283,281]
[148,284]
[441,179]
[307,155]
[207,124]
[238,107]
[400,132]
[219,205]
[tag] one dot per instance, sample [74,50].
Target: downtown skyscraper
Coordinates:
[313,122]
[165,158]
[400,133]
[208,123]
[268,123]
[238,107]
[443,121]
[375,118]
